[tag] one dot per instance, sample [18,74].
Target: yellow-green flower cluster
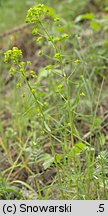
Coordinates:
[38,11]
[57,56]
[62,37]
[13,56]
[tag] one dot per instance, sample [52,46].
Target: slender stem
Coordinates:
[69,110]
[65,80]
[40,108]
[57,166]
[55,47]
[94,118]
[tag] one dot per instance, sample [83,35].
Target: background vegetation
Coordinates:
[67,157]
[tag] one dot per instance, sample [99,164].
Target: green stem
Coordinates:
[65,79]
[69,110]
[57,166]
[38,103]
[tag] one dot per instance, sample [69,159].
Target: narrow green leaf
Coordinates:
[47,127]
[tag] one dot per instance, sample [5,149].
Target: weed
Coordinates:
[55,100]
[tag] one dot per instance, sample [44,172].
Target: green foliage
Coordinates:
[8,192]
[11,13]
